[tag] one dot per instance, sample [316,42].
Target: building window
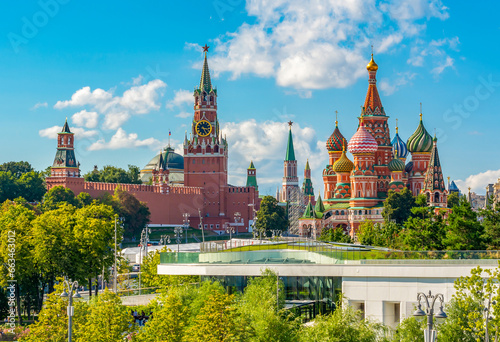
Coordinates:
[211,226]
[217,226]
[205,226]
[194,161]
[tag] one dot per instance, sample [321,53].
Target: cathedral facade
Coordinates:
[354,190]
[203,193]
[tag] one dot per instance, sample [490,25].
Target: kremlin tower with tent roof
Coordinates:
[354,191]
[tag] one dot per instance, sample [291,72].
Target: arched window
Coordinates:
[342,212]
[436,197]
[336,212]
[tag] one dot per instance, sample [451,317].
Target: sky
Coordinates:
[123,73]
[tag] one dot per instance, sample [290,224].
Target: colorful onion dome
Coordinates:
[372,66]
[343,164]
[400,146]
[420,140]
[362,141]
[336,140]
[409,167]
[396,165]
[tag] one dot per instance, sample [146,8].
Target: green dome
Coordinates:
[420,140]
[396,165]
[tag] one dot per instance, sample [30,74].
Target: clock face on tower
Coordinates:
[203,128]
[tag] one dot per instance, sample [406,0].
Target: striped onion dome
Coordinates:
[362,141]
[343,164]
[420,140]
[409,167]
[399,146]
[336,140]
[396,165]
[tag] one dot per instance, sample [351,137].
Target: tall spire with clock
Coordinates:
[205,154]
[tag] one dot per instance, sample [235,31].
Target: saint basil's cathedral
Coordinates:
[354,190]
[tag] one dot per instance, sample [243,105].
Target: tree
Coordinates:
[424,231]
[215,321]
[16,250]
[9,187]
[106,320]
[491,224]
[335,234]
[465,232]
[84,199]
[343,325]
[453,199]
[169,320]
[271,216]
[260,311]
[398,205]
[135,214]
[32,186]
[93,233]
[150,276]
[58,195]
[368,233]
[17,169]
[112,174]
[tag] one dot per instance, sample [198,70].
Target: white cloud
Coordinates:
[139,99]
[51,132]
[123,140]
[317,44]
[388,87]
[39,105]
[182,97]
[137,80]
[448,63]
[184,115]
[265,144]
[84,118]
[478,182]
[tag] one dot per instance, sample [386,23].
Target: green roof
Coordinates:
[205,83]
[290,153]
[251,165]
[309,212]
[65,128]
[319,207]
[337,206]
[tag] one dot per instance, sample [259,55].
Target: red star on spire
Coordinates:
[205,48]
[290,123]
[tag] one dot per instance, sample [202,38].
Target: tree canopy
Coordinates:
[113,174]
[271,216]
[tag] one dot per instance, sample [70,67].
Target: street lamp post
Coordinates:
[72,293]
[164,239]
[430,300]
[201,225]
[237,219]
[186,224]
[178,235]
[143,244]
[115,267]
[229,229]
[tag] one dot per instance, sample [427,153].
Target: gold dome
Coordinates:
[343,164]
[372,66]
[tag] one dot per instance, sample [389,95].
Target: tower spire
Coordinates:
[336,118]
[205,83]
[290,153]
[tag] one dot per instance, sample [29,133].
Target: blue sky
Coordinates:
[123,73]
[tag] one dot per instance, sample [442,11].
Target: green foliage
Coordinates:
[150,277]
[465,232]
[271,216]
[84,199]
[343,325]
[57,196]
[106,320]
[4,306]
[135,214]
[169,319]
[424,231]
[258,311]
[411,330]
[335,234]
[215,321]
[491,223]
[369,233]
[453,199]
[112,174]
[398,205]
[17,169]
